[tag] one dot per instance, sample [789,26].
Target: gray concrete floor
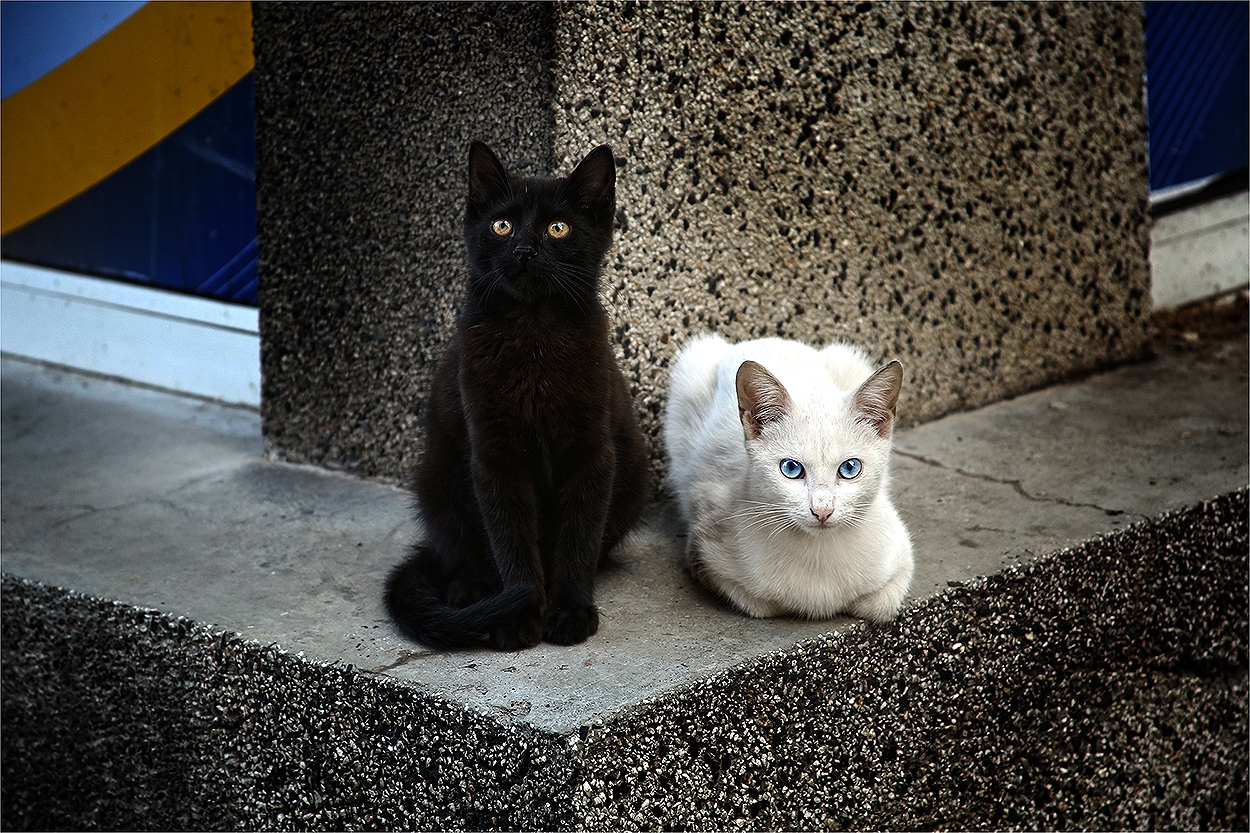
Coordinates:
[167,502]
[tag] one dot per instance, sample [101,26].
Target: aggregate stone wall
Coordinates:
[1099,688]
[119,718]
[364,116]
[959,186]
[1103,687]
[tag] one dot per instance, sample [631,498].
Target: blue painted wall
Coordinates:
[1196,90]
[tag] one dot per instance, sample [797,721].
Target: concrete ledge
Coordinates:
[1101,687]
[311,712]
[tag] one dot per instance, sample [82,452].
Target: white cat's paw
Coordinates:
[757,608]
[882,605]
[738,596]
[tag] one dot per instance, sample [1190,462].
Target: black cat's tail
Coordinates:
[414,603]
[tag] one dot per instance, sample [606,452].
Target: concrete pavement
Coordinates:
[167,502]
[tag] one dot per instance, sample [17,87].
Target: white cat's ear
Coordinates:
[876,400]
[761,399]
[488,181]
[593,183]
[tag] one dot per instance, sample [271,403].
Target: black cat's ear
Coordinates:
[593,184]
[762,399]
[876,400]
[488,181]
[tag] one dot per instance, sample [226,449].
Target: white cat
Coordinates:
[779,460]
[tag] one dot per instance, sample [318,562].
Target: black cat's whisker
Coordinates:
[574,284]
[568,289]
[490,281]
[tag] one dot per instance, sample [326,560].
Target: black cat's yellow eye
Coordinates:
[501,227]
[558,229]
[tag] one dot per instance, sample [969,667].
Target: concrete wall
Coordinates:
[962,187]
[364,115]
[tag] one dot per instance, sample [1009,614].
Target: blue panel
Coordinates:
[182,215]
[37,37]
[1197,90]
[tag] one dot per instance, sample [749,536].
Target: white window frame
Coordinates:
[164,339]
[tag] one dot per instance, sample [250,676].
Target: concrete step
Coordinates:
[249,637]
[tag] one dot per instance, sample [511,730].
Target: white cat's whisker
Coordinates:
[760,517]
[855,518]
[754,521]
[783,527]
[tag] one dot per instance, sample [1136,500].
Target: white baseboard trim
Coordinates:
[1200,251]
[177,342]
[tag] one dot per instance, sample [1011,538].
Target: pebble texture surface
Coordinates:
[1104,686]
[961,187]
[364,116]
[121,718]
[958,186]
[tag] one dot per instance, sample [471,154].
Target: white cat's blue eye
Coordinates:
[850,469]
[792,469]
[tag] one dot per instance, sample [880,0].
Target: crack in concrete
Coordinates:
[86,510]
[404,658]
[202,478]
[1015,484]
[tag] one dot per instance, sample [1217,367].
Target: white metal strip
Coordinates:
[178,342]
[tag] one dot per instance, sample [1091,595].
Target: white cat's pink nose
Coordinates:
[822,514]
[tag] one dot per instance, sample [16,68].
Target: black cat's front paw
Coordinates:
[570,625]
[525,631]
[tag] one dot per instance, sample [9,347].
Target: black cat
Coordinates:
[534,466]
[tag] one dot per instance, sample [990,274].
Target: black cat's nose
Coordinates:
[524,253]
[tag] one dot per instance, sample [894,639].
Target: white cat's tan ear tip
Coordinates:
[876,401]
[746,371]
[761,398]
[891,375]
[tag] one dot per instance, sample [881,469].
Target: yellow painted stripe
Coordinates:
[116,99]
